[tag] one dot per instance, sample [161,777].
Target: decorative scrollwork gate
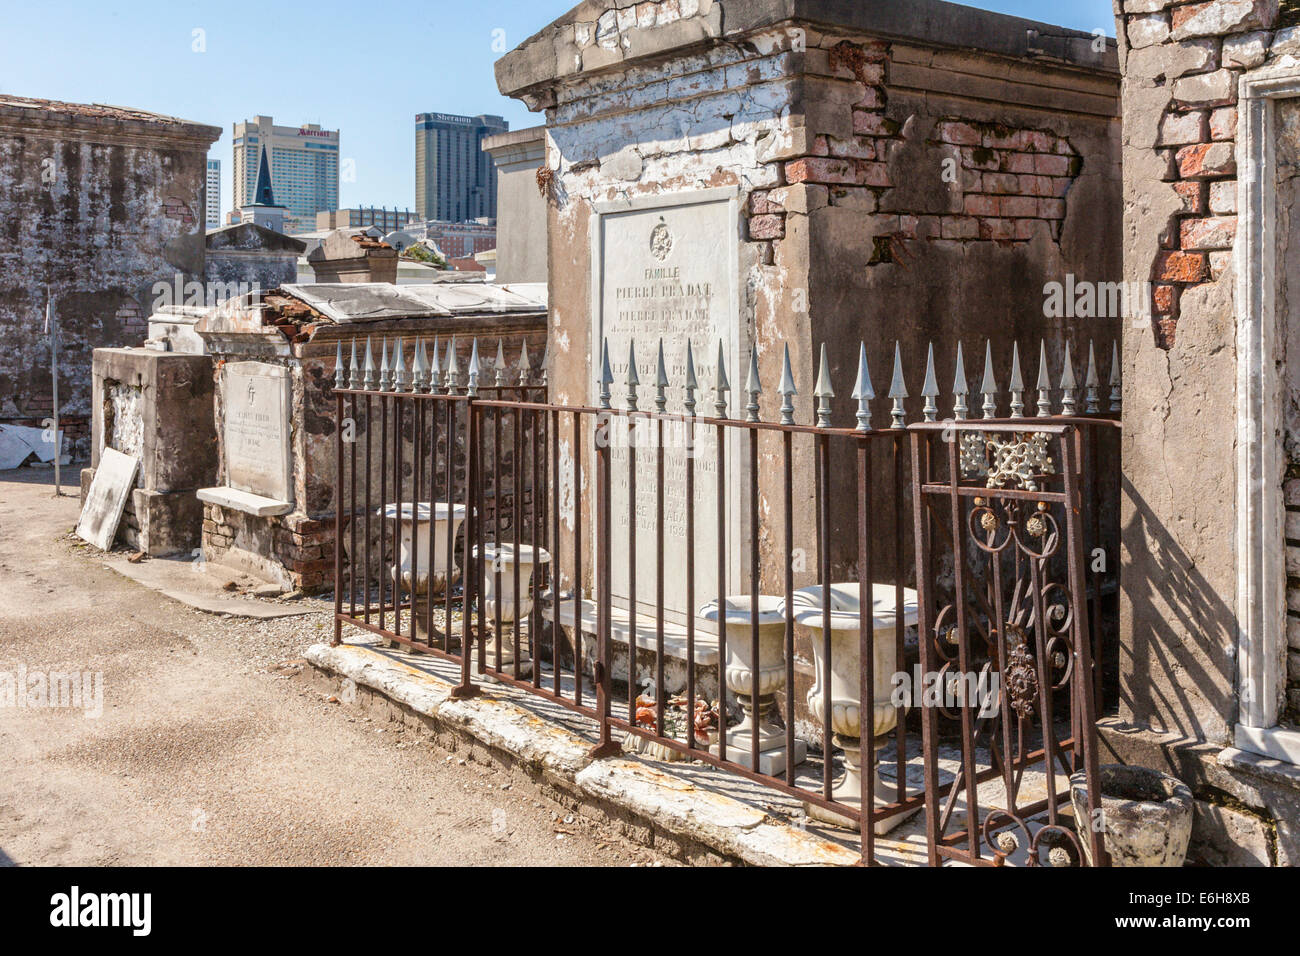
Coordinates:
[1005,648]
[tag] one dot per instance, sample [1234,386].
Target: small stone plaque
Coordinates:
[113,482]
[256,397]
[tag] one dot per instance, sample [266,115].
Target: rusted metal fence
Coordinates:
[679,577]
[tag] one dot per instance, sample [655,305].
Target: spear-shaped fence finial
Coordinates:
[400,380]
[544,367]
[501,364]
[385,371]
[1116,395]
[1068,383]
[661,381]
[898,391]
[930,388]
[823,391]
[523,362]
[435,369]
[753,387]
[452,367]
[354,380]
[1017,384]
[691,384]
[787,390]
[338,364]
[474,369]
[419,368]
[1092,383]
[989,387]
[722,386]
[371,378]
[1044,382]
[633,380]
[863,392]
[606,376]
[960,389]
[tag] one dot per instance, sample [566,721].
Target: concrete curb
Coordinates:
[625,788]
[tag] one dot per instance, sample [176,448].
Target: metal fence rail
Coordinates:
[503,559]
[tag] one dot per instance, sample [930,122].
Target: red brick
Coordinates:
[981,205]
[1048,165]
[1193,196]
[1012,139]
[1025,228]
[766,227]
[1038,185]
[980,158]
[1182,267]
[1166,299]
[1037,141]
[960,134]
[1223,124]
[1184,13]
[1017,162]
[1206,160]
[856,148]
[997,229]
[1003,184]
[960,227]
[1216,232]
[1018,207]
[759,204]
[817,169]
[873,124]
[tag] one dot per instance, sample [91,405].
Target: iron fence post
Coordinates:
[606,746]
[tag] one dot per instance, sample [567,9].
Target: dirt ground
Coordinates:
[207,751]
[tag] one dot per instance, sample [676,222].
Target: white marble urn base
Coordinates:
[843,674]
[772,755]
[500,602]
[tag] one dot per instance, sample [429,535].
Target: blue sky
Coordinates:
[363,68]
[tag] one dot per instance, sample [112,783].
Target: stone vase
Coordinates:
[842,671]
[1146,814]
[739,676]
[416,524]
[499,597]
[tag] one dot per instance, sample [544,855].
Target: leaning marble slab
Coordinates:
[100,515]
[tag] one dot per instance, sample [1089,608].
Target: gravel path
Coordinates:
[208,750]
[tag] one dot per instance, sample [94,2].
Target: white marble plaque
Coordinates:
[113,482]
[256,397]
[667,267]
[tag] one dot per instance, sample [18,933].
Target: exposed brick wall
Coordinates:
[1219,40]
[1011,178]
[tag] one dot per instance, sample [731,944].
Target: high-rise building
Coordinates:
[213,218]
[304,168]
[454,179]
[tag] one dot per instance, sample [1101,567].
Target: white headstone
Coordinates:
[258,461]
[113,482]
[668,266]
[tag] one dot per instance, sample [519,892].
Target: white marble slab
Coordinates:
[113,482]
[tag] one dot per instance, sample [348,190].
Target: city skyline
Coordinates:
[370,101]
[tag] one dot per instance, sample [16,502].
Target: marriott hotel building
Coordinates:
[304,164]
[454,179]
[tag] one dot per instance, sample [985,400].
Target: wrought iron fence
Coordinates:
[651,570]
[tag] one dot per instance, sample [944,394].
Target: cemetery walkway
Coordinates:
[211,748]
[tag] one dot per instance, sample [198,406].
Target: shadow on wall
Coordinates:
[1177,653]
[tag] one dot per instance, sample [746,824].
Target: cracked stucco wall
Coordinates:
[1182,63]
[100,222]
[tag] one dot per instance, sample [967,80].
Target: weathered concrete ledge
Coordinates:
[652,803]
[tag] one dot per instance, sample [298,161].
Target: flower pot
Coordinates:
[1147,815]
[842,671]
[739,677]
